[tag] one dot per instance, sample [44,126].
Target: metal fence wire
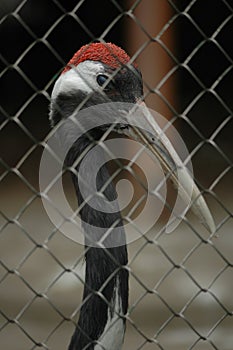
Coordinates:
[180,284]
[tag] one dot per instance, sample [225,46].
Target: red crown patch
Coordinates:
[107,53]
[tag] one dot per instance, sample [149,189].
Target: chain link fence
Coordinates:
[180,284]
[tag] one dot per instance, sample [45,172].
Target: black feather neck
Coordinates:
[105,267]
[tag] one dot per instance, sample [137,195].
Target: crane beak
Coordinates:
[144,128]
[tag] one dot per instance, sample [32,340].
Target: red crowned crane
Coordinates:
[99,73]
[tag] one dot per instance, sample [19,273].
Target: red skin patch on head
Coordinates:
[106,53]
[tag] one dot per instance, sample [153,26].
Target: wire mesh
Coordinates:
[180,284]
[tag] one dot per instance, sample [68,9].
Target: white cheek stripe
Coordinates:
[80,78]
[68,82]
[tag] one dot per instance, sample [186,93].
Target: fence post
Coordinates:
[149,17]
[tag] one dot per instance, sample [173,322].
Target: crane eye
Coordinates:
[101,79]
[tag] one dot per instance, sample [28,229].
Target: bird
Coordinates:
[102,72]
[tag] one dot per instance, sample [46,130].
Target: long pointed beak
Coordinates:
[143,127]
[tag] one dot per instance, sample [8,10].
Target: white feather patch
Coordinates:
[80,78]
[113,335]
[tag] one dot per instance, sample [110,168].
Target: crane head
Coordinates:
[102,72]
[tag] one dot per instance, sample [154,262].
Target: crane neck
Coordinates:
[105,297]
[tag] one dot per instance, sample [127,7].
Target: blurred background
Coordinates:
[180,286]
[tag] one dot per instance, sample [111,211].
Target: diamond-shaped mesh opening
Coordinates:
[41,57]
[179,284]
[15,39]
[20,89]
[175,328]
[33,13]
